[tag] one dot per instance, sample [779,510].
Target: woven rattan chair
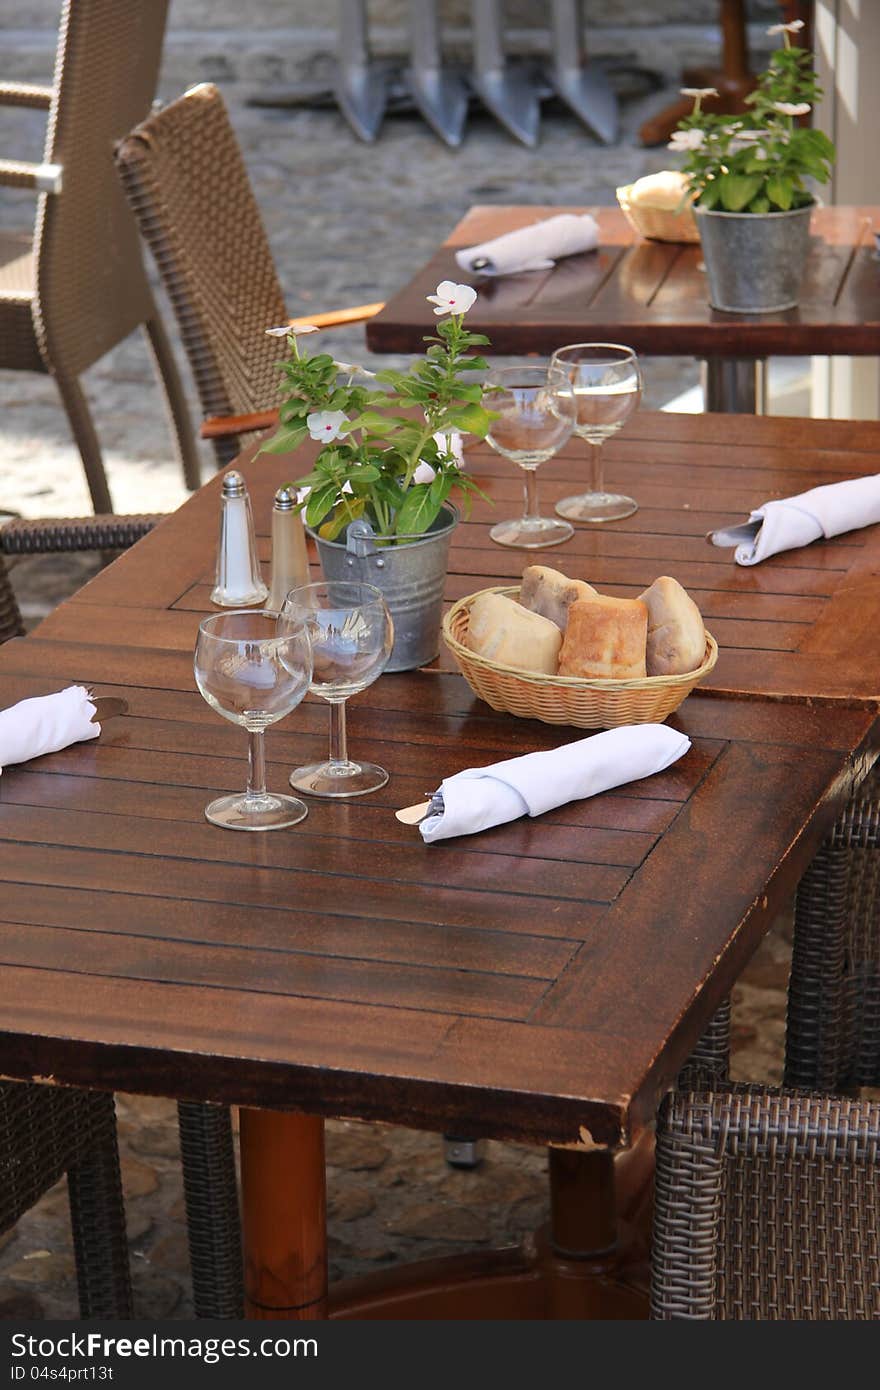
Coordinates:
[767,1206]
[188,187]
[210,1190]
[75,287]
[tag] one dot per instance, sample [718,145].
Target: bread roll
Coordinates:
[667,191]
[504,631]
[550,593]
[605,639]
[676,636]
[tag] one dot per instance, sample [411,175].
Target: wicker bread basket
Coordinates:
[588,704]
[658,224]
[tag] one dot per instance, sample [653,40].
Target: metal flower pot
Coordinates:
[754,260]
[411,577]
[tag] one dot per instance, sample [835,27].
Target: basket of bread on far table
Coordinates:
[553,648]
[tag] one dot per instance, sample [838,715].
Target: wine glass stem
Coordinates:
[256,783]
[530,503]
[338,734]
[597,482]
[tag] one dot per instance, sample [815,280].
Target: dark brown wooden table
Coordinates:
[541,982]
[652,296]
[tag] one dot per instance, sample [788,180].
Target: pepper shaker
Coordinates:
[238,582]
[290,560]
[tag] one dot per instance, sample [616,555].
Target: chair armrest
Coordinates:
[25,94]
[222,426]
[358,314]
[53,534]
[18,173]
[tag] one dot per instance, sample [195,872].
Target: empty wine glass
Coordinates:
[253,675]
[351,635]
[607,386]
[536,415]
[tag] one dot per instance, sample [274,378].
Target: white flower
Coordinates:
[684,140]
[288,331]
[352,369]
[326,425]
[447,444]
[424,473]
[792,108]
[451,298]
[698,93]
[793,28]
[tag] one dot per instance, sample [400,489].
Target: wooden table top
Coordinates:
[648,294]
[542,981]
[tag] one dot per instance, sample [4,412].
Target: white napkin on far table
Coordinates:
[790,522]
[537,247]
[481,797]
[45,725]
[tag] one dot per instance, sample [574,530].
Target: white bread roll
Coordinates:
[667,191]
[605,639]
[676,636]
[550,593]
[504,631]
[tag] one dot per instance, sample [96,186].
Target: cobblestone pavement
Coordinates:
[347,224]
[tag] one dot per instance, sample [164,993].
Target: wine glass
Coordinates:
[253,675]
[536,415]
[607,386]
[351,635]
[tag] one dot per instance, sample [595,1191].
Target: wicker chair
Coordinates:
[767,1206]
[81,1119]
[75,287]
[188,187]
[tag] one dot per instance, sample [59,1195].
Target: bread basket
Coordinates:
[587,704]
[658,224]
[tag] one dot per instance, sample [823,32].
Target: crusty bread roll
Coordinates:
[504,631]
[668,191]
[605,639]
[550,593]
[676,636]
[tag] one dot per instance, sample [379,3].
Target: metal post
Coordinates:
[580,84]
[361,87]
[442,97]
[509,93]
[734,384]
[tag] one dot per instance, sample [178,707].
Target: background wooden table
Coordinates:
[652,296]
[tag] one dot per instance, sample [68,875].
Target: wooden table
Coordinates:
[542,982]
[652,296]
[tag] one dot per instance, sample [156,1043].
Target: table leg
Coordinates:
[284,1215]
[734,384]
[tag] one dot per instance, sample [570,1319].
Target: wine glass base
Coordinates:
[597,506]
[338,779]
[534,534]
[269,812]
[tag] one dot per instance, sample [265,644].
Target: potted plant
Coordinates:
[748,175]
[377,499]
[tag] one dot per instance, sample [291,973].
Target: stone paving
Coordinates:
[347,223]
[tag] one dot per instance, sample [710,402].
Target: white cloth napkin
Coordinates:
[46,724]
[481,797]
[790,522]
[537,247]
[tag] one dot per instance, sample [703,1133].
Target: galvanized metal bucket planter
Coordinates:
[754,260]
[411,577]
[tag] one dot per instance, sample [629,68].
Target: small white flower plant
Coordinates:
[390,451]
[758,162]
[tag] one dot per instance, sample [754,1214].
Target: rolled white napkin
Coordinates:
[481,797]
[536,247]
[790,522]
[45,725]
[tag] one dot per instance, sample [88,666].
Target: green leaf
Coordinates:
[710,195]
[321,499]
[759,204]
[738,190]
[471,419]
[285,440]
[417,511]
[780,190]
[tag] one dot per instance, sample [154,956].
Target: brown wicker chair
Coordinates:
[75,287]
[767,1206]
[80,1124]
[188,187]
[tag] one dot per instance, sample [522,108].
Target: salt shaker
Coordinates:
[238,583]
[290,561]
